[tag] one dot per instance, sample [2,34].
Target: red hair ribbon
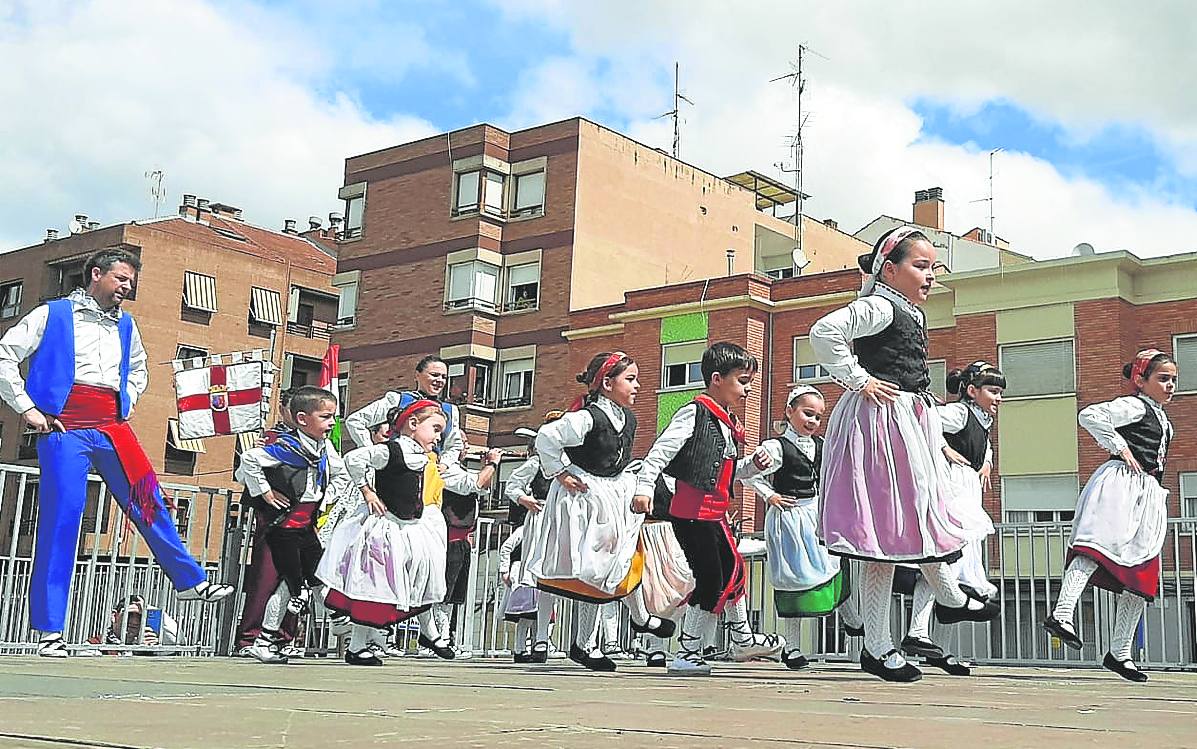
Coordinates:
[1139,366]
[603,372]
[414,408]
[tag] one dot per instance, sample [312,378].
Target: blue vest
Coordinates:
[408,397]
[52,365]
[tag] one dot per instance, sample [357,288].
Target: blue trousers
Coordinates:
[65,458]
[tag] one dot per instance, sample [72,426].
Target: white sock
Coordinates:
[522,629]
[544,615]
[587,633]
[609,624]
[922,607]
[876,591]
[440,614]
[1126,621]
[636,608]
[943,581]
[737,622]
[359,638]
[791,629]
[276,607]
[428,626]
[1076,577]
[695,626]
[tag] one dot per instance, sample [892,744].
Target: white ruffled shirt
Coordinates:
[831,337]
[759,480]
[519,483]
[1102,420]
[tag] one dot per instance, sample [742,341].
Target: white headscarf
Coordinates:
[891,241]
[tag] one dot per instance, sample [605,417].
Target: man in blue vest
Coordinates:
[432,374]
[87,368]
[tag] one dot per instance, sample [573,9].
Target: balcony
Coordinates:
[314,329]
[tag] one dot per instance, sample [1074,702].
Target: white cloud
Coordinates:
[1081,65]
[227,106]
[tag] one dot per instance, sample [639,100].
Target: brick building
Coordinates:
[483,246]
[210,283]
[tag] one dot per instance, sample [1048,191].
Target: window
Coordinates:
[10,300]
[467,192]
[482,383]
[469,382]
[493,194]
[199,292]
[28,447]
[523,286]
[516,382]
[1045,493]
[190,352]
[355,211]
[1039,516]
[939,377]
[265,306]
[347,286]
[180,453]
[300,370]
[457,383]
[780,273]
[472,284]
[1185,352]
[1188,495]
[806,365]
[1032,369]
[529,194]
[182,515]
[479,190]
[681,365]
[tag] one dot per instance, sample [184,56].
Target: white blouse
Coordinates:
[670,443]
[955,417]
[252,470]
[519,483]
[831,337]
[758,480]
[1102,420]
[570,431]
[364,461]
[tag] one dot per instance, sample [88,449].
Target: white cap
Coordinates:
[800,391]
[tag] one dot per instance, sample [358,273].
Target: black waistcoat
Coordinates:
[897,354]
[798,476]
[289,481]
[700,460]
[972,441]
[1144,438]
[661,499]
[460,510]
[606,451]
[400,488]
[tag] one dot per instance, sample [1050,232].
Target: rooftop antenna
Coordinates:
[157,190]
[675,113]
[798,81]
[989,200]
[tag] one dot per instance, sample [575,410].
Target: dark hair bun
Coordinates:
[1126,370]
[865,262]
[954,381]
[581,377]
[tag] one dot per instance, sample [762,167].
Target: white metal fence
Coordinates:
[1025,562]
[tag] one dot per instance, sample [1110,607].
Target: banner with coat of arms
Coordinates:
[222,394]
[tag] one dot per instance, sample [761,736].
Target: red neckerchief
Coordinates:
[729,420]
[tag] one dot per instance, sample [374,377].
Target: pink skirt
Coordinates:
[884,484]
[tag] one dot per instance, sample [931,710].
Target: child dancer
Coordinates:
[587,543]
[288,480]
[966,425]
[699,450]
[806,579]
[883,478]
[527,489]
[1122,516]
[386,562]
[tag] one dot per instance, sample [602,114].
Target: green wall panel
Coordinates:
[679,328]
[669,403]
[1038,435]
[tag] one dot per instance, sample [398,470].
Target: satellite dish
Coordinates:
[800,259]
[1084,249]
[75,227]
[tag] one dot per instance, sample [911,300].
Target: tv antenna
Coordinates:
[157,189]
[989,200]
[675,113]
[798,81]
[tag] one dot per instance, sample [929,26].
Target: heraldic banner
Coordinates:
[222,394]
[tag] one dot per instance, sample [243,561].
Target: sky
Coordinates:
[257,104]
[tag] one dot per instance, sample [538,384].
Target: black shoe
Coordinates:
[582,658]
[442,651]
[877,667]
[1064,632]
[658,659]
[853,631]
[364,658]
[949,615]
[664,630]
[540,653]
[523,657]
[919,646]
[1126,669]
[794,660]
[951,665]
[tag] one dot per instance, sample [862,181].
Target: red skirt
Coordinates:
[368,613]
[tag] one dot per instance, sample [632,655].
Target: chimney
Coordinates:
[80,222]
[315,223]
[831,223]
[51,235]
[731,261]
[289,226]
[225,210]
[202,206]
[93,225]
[928,207]
[188,208]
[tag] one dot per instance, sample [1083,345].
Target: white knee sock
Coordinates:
[698,628]
[1076,577]
[544,615]
[276,607]
[522,629]
[736,616]
[428,626]
[587,633]
[1126,621]
[791,629]
[942,579]
[440,615]
[359,638]
[876,591]
[920,615]
[635,606]
[609,624]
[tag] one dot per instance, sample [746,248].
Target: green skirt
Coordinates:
[819,601]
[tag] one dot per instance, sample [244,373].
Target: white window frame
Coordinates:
[489,203]
[1187,490]
[179,350]
[690,383]
[931,364]
[460,209]
[11,309]
[348,286]
[1029,516]
[1192,371]
[472,301]
[355,210]
[1004,367]
[501,395]
[509,302]
[532,209]
[825,376]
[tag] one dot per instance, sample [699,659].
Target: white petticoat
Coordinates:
[667,581]
[590,536]
[387,560]
[797,561]
[1122,514]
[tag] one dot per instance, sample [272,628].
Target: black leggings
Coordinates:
[296,553]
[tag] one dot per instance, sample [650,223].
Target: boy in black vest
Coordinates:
[699,449]
[288,480]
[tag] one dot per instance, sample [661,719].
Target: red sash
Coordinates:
[691,503]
